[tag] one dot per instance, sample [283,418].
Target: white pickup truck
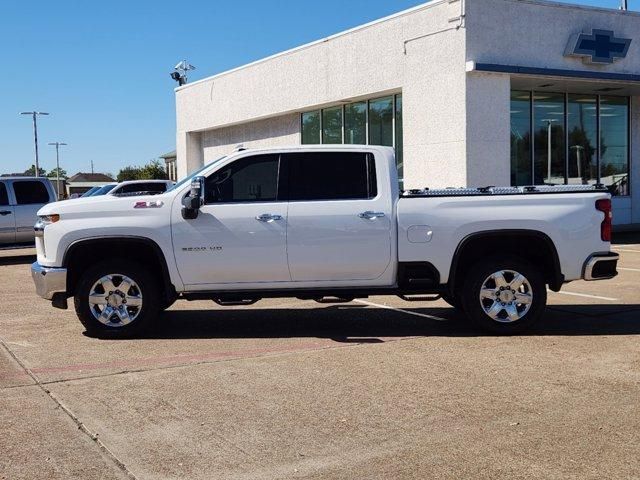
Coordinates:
[319,223]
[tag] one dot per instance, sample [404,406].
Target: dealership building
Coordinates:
[468,92]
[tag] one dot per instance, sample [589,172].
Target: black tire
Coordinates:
[146,287]
[502,324]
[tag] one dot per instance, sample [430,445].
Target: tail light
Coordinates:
[604,206]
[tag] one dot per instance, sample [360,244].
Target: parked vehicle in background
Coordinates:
[20,200]
[103,190]
[324,223]
[141,187]
[90,192]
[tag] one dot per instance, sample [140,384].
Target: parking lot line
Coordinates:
[586,295]
[629,269]
[625,250]
[409,312]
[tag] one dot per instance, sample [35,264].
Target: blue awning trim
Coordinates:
[556,72]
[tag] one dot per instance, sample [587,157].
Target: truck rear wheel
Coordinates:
[117,299]
[504,295]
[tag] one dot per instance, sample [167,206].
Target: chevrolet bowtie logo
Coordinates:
[600,46]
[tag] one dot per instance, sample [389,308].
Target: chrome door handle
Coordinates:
[369,215]
[267,217]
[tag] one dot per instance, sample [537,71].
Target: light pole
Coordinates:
[58,145]
[549,123]
[579,149]
[35,134]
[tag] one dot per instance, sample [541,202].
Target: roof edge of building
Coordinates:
[577,6]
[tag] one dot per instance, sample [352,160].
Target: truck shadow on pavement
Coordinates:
[363,324]
[17,260]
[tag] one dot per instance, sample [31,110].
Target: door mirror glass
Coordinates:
[194,200]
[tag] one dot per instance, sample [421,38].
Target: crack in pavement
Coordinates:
[81,426]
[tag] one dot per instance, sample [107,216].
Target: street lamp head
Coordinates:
[57,143]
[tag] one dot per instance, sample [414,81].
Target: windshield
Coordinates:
[103,190]
[195,174]
[90,192]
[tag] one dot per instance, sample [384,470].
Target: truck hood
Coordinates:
[92,206]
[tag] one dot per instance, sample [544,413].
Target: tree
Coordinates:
[129,173]
[154,170]
[61,171]
[31,172]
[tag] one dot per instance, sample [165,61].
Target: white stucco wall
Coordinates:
[271,132]
[536,33]
[365,62]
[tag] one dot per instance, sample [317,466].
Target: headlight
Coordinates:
[43,221]
[47,219]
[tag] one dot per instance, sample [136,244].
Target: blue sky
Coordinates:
[102,68]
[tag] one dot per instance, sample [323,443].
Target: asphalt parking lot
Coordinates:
[379,388]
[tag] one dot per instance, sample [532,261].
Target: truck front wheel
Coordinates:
[117,299]
[504,295]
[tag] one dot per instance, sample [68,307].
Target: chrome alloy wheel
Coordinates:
[506,296]
[115,300]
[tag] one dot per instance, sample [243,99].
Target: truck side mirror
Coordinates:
[191,203]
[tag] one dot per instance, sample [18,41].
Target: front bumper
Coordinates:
[601,266]
[49,280]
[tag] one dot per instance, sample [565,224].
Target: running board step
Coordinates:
[420,298]
[232,302]
[330,299]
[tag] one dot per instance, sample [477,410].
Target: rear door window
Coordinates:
[4,198]
[29,192]
[331,176]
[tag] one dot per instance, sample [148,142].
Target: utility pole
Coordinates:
[58,145]
[91,166]
[34,114]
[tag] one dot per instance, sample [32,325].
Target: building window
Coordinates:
[614,144]
[332,125]
[583,134]
[377,121]
[355,123]
[577,139]
[521,138]
[311,127]
[381,121]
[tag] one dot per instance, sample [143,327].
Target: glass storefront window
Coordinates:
[332,125]
[549,151]
[311,127]
[355,123]
[614,144]
[520,138]
[374,122]
[399,144]
[583,139]
[381,121]
[594,148]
